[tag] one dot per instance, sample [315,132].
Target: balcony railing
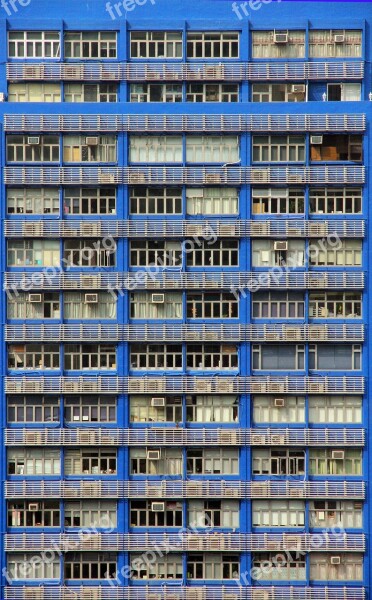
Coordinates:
[182,123]
[171,332]
[15,542]
[171,228]
[259,71]
[88,175]
[173,280]
[337,490]
[184,384]
[184,437]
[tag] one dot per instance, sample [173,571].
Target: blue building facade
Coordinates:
[185,259]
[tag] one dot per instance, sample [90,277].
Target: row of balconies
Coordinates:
[174,332]
[143,175]
[184,437]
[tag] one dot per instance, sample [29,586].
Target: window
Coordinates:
[213,513]
[338,201]
[77,148]
[289,409]
[278,305]
[347,253]
[88,253]
[156,44]
[158,409]
[30,565]
[34,44]
[265,253]
[33,514]
[344,305]
[91,513]
[278,513]
[90,565]
[338,357]
[90,462]
[156,356]
[212,461]
[35,461]
[266,44]
[213,565]
[155,201]
[324,461]
[144,305]
[155,148]
[278,92]
[82,357]
[32,201]
[271,461]
[212,409]
[33,253]
[168,566]
[335,43]
[336,513]
[89,201]
[91,92]
[23,148]
[90,44]
[221,253]
[33,356]
[155,252]
[343,92]
[335,409]
[91,409]
[338,147]
[289,567]
[156,461]
[143,515]
[33,409]
[206,305]
[212,201]
[212,92]
[212,356]
[212,148]
[277,357]
[278,148]
[277,201]
[212,44]
[155,92]
[75,306]
[20,307]
[350,567]
[34,92]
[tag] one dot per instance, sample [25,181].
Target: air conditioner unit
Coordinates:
[33,506]
[34,438]
[34,72]
[91,593]
[212,178]
[299,88]
[89,281]
[292,542]
[294,178]
[278,439]
[316,139]
[259,228]
[158,506]
[260,594]
[258,439]
[2,97]
[279,402]
[227,230]
[157,298]
[92,141]
[90,298]
[203,386]
[335,560]
[153,455]
[259,176]
[33,140]
[157,402]
[280,245]
[280,38]
[33,593]
[339,38]
[292,333]
[89,229]
[338,454]
[34,298]
[297,492]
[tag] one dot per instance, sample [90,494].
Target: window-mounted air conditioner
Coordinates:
[279,402]
[33,140]
[157,298]
[316,140]
[90,298]
[157,402]
[335,560]
[158,506]
[33,506]
[281,245]
[280,38]
[34,298]
[91,141]
[299,88]
[338,454]
[339,38]
[153,454]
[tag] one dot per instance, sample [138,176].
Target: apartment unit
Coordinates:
[184,207]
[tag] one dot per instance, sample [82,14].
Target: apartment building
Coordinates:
[185,221]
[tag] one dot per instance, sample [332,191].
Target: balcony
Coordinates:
[337,490]
[184,175]
[184,123]
[228,228]
[184,437]
[184,384]
[174,332]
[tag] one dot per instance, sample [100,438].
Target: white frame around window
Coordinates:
[212,305]
[88,253]
[344,92]
[278,305]
[264,45]
[278,148]
[34,92]
[278,513]
[34,44]
[170,461]
[336,513]
[219,253]
[265,255]
[85,357]
[91,92]
[347,253]
[212,148]
[95,45]
[90,565]
[168,566]
[96,514]
[155,148]
[322,43]
[156,356]
[213,44]
[350,567]
[33,356]
[266,410]
[212,461]
[19,148]
[32,201]
[33,409]
[212,92]
[155,409]
[145,253]
[213,566]
[34,461]
[142,306]
[75,306]
[31,565]
[277,201]
[156,44]
[278,92]
[91,461]
[213,513]
[155,201]
[91,409]
[155,92]
[278,461]
[75,149]
[270,357]
[142,515]
[89,201]
[331,305]
[335,200]
[212,201]
[20,307]
[292,567]
[46,515]
[350,352]
[321,462]
[335,409]
[215,357]
[212,409]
